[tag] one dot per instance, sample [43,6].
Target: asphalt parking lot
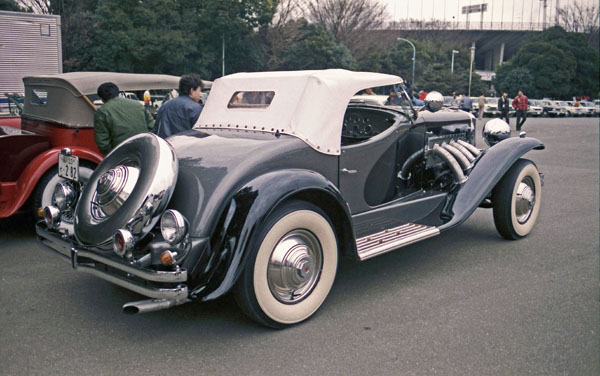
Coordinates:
[463,303]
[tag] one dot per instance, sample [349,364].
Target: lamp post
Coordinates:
[472,48]
[452,66]
[413,62]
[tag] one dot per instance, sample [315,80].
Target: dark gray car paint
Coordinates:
[214,164]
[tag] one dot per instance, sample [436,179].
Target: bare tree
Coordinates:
[282,32]
[579,18]
[348,20]
[287,10]
[36,6]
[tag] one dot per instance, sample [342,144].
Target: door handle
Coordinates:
[346,171]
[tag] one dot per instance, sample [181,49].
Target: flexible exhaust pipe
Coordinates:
[463,150]
[460,157]
[476,152]
[151,305]
[459,177]
[410,162]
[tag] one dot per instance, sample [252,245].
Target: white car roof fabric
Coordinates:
[309,105]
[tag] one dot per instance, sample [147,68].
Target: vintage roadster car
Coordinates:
[280,177]
[58,112]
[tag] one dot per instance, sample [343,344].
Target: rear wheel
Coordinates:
[517,199]
[42,196]
[292,268]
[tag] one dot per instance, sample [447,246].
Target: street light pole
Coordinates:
[413,62]
[452,66]
[471,68]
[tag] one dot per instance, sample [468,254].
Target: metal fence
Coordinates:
[471,25]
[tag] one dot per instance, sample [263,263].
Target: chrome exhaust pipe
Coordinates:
[151,305]
[459,177]
[460,157]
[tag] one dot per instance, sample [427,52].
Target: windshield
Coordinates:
[491,100]
[388,95]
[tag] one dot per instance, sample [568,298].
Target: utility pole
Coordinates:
[544,21]
[413,61]
[471,68]
[452,65]
[223,54]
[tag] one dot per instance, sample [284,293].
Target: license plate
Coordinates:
[68,167]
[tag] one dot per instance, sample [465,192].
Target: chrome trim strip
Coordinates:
[387,240]
[63,247]
[179,292]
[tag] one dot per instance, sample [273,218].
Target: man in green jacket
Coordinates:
[118,118]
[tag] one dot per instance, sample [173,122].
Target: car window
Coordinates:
[251,99]
[39,97]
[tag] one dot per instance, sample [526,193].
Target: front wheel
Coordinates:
[291,269]
[517,199]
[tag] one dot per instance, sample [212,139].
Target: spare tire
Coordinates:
[156,167]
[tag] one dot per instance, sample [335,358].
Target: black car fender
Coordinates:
[484,176]
[241,220]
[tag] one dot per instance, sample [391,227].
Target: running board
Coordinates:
[393,238]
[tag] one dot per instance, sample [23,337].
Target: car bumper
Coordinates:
[151,283]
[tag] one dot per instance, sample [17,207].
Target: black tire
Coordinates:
[517,199]
[300,232]
[42,195]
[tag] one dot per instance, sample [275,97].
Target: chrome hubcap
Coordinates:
[114,187]
[295,266]
[525,200]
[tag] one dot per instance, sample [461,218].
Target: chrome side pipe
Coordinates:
[151,305]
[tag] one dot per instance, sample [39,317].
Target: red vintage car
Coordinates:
[58,112]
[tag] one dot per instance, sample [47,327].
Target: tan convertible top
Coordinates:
[63,98]
[86,83]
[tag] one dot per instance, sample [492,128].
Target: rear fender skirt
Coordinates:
[241,221]
[484,176]
[14,194]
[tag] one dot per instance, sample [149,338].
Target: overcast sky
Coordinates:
[497,10]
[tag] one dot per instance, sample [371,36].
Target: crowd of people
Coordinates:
[120,118]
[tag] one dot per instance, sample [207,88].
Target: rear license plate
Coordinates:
[68,167]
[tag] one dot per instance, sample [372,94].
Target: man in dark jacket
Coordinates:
[118,118]
[466,103]
[181,113]
[504,107]
[520,103]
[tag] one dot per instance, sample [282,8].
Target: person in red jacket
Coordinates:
[520,103]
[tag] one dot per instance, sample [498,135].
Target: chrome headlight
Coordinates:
[64,196]
[495,131]
[434,101]
[173,226]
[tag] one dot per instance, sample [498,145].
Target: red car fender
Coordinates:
[33,173]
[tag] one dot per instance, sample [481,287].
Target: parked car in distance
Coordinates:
[536,108]
[589,108]
[491,107]
[283,174]
[58,112]
[553,108]
[569,108]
